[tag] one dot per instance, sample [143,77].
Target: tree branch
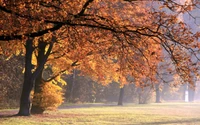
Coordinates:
[40,67]
[84,8]
[34,34]
[62,71]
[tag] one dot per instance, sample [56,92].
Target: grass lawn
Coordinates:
[98,114]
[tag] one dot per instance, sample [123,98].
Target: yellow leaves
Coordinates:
[122,81]
[11,48]
[60,64]
[115,76]
[50,98]
[63,82]
[34,59]
[23,71]
[17,52]
[59,79]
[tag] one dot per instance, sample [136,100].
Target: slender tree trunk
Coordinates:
[73,83]
[140,99]
[28,82]
[121,96]
[191,93]
[36,107]
[158,93]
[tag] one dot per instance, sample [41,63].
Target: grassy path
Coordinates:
[153,114]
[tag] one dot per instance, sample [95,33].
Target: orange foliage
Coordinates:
[50,97]
[110,40]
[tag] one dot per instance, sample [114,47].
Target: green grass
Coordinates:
[97,114]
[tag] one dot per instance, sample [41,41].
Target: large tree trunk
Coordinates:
[158,93]
[36,107]
[29,77]
[28,82]
[25,99]
[121,96]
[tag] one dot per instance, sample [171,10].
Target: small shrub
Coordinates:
[50,97]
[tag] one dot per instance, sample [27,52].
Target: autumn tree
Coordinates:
[111,40]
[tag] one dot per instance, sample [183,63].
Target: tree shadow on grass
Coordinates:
[185,121]
[92,105]
[8,114]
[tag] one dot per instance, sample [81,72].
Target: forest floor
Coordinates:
[110,114]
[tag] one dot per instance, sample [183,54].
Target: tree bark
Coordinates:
[36,107]
[41,60]
[158,93]
[121,96]
[24,109]
[29,77]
